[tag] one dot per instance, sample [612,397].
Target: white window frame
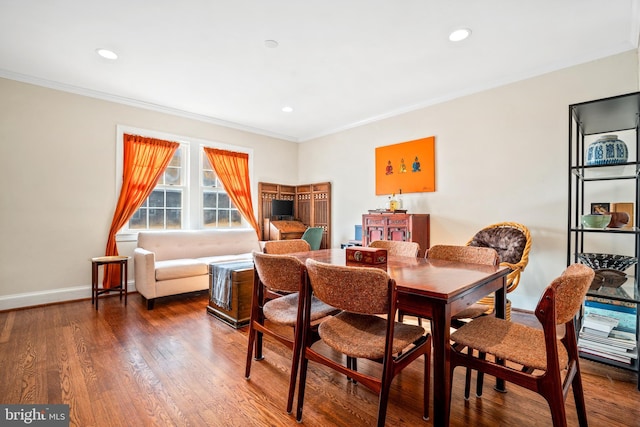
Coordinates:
[192,217]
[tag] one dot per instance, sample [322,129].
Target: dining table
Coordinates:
[435,290]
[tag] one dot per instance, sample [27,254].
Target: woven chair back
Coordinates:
[286,246]
[397,247]
[279,272]
[355,289]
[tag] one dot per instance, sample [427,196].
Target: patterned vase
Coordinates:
[607,150]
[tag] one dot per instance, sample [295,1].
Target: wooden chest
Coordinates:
[366,257]
[241,288]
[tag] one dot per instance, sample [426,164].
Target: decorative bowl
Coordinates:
[607,261]
[596,221]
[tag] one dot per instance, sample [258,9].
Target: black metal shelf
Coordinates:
[605,116]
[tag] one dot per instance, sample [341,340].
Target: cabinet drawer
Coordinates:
[398,222]
[379,221]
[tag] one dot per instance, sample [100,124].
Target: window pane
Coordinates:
[174,199]
[172,176]
[223,217]
[223,200]
[176,160]
[156,199]
[174,218]
[139,219]
[236,218]
[208,179]
[209,218]
[209,200]
[156,218]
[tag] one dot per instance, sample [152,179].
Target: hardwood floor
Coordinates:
[178,366]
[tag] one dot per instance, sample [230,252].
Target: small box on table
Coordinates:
[366,257]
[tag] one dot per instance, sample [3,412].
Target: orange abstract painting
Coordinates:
[408,167]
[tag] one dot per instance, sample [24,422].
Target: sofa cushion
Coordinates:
[179,268]
[226,258]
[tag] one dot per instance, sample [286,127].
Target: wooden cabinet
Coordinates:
[396,226]
[312,207]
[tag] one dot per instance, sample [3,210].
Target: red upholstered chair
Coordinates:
[536,359]
[273,274]
[397,247]
[359,331]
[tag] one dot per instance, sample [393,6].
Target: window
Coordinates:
[164,207]
[189,195]
[217,208]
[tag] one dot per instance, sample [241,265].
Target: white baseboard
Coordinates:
[31,299]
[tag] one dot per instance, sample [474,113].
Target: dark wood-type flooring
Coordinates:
[178,366]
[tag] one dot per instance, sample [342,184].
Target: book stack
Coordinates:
[599,336]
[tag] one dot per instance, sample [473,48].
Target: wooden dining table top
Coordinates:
[436,279]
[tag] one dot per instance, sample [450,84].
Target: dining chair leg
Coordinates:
[480,376]
[578,396]
[295,364]
[427,386]
[251,343]
[304,362]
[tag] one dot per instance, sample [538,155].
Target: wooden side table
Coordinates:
[106,260]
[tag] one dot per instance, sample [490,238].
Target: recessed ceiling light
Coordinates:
[459,34]
[271,44]
[106,53]
[287,109]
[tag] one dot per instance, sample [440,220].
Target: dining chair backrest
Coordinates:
[397,247]
[569,291]
[469,254]
[286,246]
[279,272]
[313,235]
[354,289]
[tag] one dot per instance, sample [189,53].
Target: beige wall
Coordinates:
[501,155]
[57,154]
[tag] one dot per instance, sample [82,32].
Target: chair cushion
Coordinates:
[507,340]
[509,242]
[363,336]
[284,310]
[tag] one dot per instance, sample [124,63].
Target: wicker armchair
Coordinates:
[286,246]
[512,241]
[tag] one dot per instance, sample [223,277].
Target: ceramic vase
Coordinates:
[607,150]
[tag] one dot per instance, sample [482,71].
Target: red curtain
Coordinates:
[145,159]
[233,171]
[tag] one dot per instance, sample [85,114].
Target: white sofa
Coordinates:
[175,262]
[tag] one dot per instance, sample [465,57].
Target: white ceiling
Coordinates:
[339,63]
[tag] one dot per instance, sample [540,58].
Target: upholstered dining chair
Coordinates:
[280,273]
[358,331]
[313,235]
[512,241]
[397,247]
[535,358]
[286,246]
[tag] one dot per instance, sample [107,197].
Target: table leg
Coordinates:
[440,324]
[126,278]
[94,281]
[500,303]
